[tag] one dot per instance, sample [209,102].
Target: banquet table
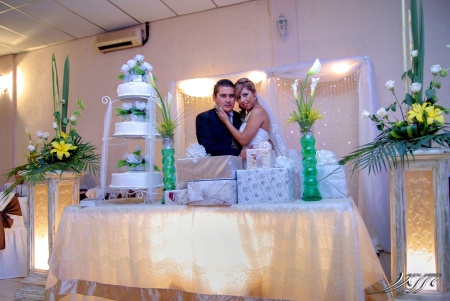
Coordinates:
[290,251]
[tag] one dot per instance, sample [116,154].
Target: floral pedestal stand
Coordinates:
[420,226]
[47,202]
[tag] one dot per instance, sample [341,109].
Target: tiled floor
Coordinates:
[9,287]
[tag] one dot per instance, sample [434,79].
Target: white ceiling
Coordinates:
[27,25]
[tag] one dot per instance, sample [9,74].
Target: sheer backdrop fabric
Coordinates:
[340,97]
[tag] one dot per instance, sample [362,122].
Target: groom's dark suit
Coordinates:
[214,135]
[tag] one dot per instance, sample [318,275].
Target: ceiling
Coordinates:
[27,25]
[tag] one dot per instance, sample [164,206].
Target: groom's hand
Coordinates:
[243,154]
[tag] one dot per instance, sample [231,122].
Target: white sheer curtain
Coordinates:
[347,86]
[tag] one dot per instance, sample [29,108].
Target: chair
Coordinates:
[13,258]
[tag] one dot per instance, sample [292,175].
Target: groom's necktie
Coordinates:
[234,144]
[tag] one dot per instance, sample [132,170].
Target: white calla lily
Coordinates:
[315,68]
[314,82]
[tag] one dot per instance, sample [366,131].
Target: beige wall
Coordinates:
[230,39]
[7,109]
[346,28]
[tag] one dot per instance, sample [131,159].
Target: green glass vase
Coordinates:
[309,163]
[168,162]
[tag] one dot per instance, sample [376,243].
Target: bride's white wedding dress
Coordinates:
[260,136]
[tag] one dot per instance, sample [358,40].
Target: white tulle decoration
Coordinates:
[196,150]
[284,162]
[326,157]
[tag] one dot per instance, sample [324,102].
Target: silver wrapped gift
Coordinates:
[212,192]
[260,158]
[332,181]
[266,185]
[206,168]
[175,197]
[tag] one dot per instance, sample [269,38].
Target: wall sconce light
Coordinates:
[282,28]
[3,86]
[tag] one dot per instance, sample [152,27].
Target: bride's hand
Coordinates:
[222,115]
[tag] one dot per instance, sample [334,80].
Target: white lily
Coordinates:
[150,80]
[315,68]
[295,90]
[169,101]
[314,82]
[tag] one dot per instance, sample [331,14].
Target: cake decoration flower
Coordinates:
[136,69]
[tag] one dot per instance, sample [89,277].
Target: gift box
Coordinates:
[212,192]
[260,158]
[266,185]
[332,181]
[176,197]
[206,168]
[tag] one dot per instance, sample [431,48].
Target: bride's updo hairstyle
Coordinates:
[238,87]
[241,84]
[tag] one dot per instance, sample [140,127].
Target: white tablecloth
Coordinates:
[13,259]
[296,251]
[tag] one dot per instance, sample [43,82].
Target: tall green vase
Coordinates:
[168,162]
[309,163]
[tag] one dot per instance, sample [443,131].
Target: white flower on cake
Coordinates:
[136,69]
[140,105]
[127,106]
[133,112]
[133,160]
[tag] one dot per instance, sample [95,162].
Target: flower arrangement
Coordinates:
[136,69]
[135,112]
[133,160]
[423,123]
[305,115]
[167,123]
[65,152]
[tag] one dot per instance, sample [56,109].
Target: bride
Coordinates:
[257,124]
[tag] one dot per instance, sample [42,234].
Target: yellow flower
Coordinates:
[434,114]
[64,136]
[62,149]
[417,111]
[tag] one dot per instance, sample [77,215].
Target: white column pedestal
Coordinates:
[420,226]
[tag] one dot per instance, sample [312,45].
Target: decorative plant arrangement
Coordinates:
[66,151]
[421,120]
[305,116]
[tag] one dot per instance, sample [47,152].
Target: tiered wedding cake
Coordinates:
[138,113]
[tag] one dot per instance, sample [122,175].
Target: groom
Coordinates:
[211,132]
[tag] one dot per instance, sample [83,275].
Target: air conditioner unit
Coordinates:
[121,39]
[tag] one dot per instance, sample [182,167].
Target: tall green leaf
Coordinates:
[55,85]
[65,94]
